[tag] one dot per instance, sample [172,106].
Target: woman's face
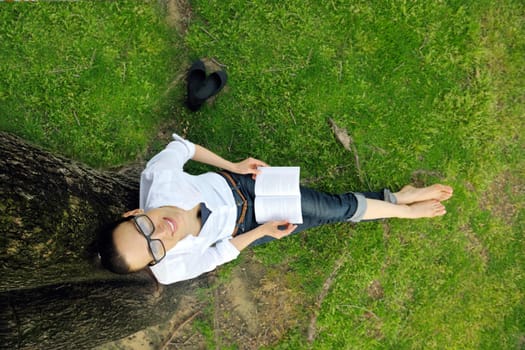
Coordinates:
[170,224]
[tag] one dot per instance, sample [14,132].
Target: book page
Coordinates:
[277,181]
[287,208]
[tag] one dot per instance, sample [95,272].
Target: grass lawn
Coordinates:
[428,91]
[87,79]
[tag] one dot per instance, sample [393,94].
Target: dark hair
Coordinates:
[110,258]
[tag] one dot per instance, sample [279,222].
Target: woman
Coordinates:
[187,225]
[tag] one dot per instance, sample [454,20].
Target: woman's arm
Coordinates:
[268,229]
[247,166]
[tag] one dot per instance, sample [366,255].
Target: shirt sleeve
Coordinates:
[174,156]
[162,169]
[187,266]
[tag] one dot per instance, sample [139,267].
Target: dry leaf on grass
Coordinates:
[341,135]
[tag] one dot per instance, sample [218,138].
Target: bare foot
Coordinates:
[426,209]
[410,194]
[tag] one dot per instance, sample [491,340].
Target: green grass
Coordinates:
[429,91]
[86,79]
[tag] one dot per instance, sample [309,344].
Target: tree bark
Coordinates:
[53,292]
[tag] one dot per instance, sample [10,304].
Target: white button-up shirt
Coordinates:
[164,183]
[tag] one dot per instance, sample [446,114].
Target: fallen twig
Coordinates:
[324,291]
[209,34]
[292,115]
[76,117]
[348,143]
[220,64]
[174,332]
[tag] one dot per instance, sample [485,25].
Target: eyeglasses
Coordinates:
[146,227]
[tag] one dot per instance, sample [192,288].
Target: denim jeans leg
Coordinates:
[318,208]
[321,208]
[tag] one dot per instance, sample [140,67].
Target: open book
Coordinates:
[277,195]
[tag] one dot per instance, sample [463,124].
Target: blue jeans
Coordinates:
[318,208]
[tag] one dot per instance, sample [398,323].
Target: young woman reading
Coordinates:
[187,224]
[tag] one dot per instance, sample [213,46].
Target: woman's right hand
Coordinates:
[249,166]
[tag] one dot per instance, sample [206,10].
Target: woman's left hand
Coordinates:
[278,229]
[249,166]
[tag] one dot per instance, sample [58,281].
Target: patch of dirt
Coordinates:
[178,14]
[254,308]
[251,309]
[374,325]
[175,334]
[521,342]
[182,333]
[475,246]
[375,290]
[502,197]
[423,177]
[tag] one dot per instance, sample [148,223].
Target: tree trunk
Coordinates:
[53,293]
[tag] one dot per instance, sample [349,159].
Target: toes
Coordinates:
[445,192]
[446,189]
[440,209]
[444,196]
[437,208]
[410,194]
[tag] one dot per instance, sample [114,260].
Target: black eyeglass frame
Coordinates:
[148,239]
